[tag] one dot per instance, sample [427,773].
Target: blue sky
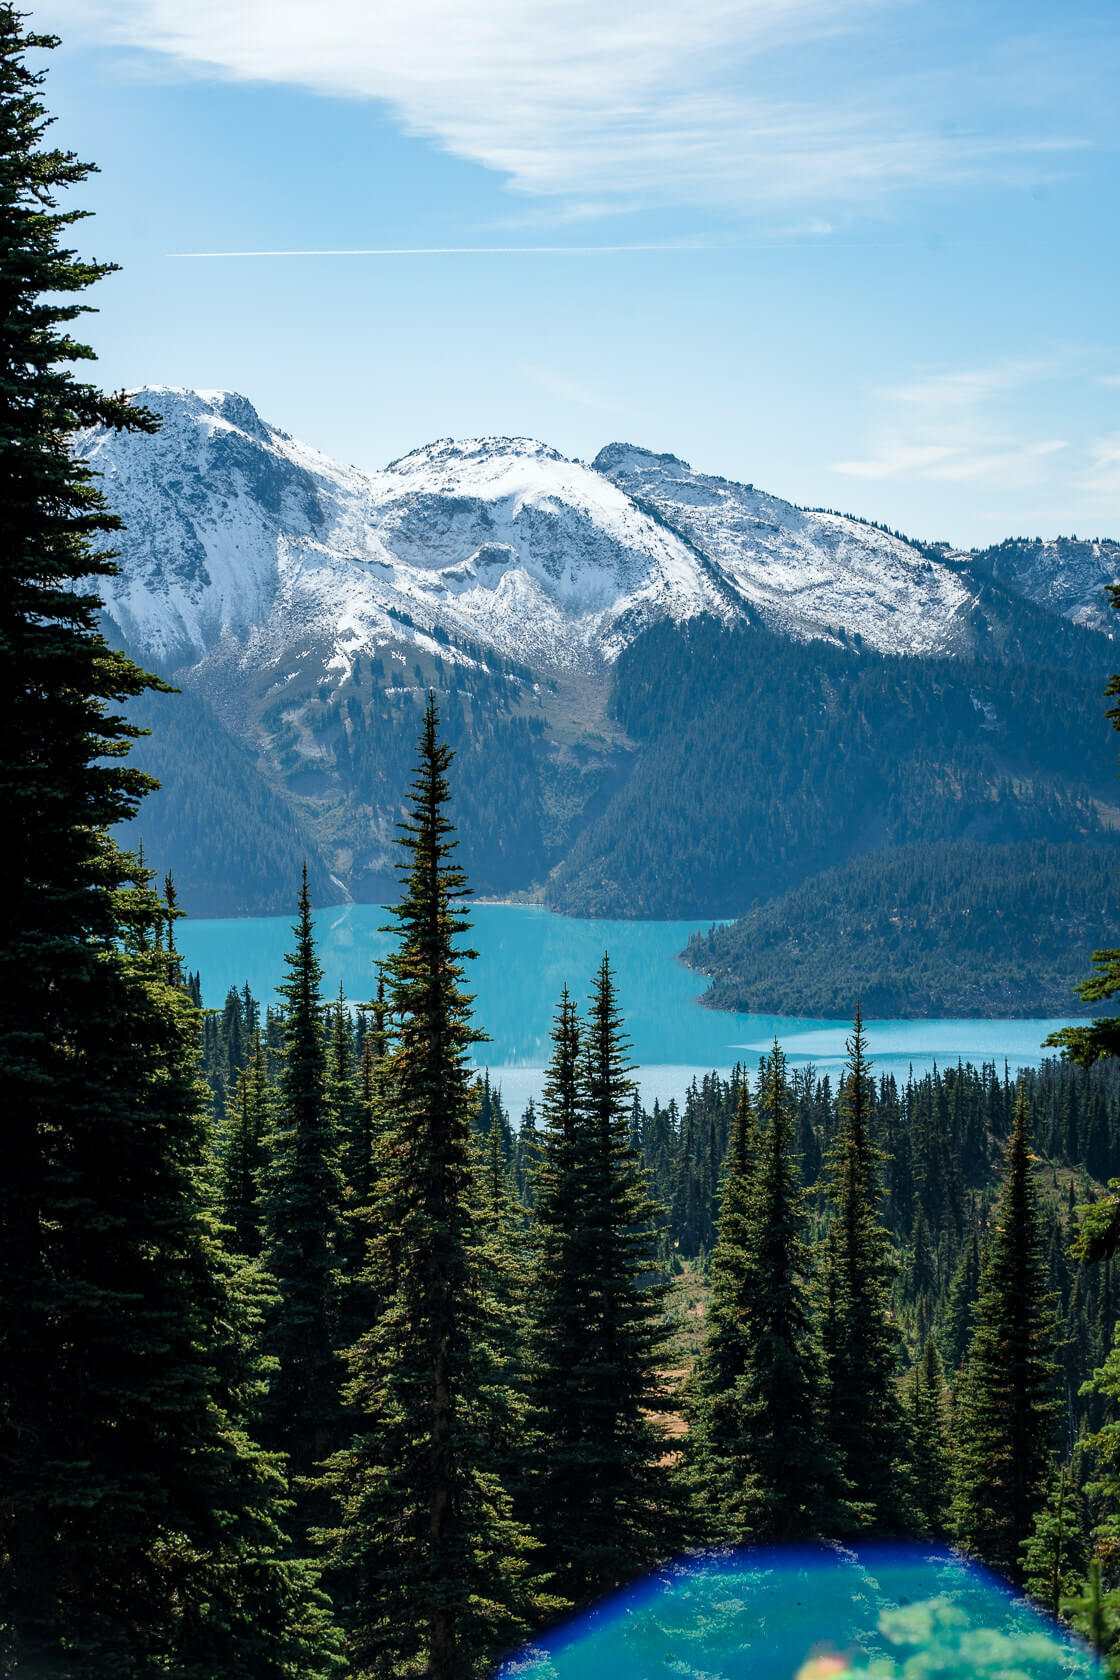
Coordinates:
[862,253]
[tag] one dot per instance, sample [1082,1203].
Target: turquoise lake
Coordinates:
[526,955]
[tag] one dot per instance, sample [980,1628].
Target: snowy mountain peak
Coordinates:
[239,541]
[627,458]
[452,453]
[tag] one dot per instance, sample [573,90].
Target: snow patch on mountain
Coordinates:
[1070,576]
[240,541]
[803,573]
[234,530]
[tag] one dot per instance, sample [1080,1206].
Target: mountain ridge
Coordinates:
[309,606]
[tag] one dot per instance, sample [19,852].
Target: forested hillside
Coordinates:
[235,842]
[924,929]
[761,762]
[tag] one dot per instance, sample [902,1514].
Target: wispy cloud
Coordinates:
[1101,479]
[463,250]
[559,385]
[607,103]
[952,426]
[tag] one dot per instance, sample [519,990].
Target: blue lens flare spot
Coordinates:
[821,1612]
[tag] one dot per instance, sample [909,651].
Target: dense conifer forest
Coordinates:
[314,1363]
[925,929]
[717,812]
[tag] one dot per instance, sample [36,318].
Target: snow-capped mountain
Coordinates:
[240,541]
[306,609]
[1068,576]
[236,531]
[801,571]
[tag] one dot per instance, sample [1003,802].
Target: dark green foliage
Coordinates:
[138,1521]
[301,1211]
[599,1490]
[233,841]
[956,1331]
[1095,1613]
[717,1449]
[527,1155]
[952,929]
[792,1485]
[1103,1487]
[362,1141]
[889,751]
[862,1343]
[1008,1407]
[245,1139]
[1054,1557]
[430,1562]
[928,1419]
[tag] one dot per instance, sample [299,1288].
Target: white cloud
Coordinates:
[596,102]
[963,387]
[1101,480]
[569,390]
[954,427]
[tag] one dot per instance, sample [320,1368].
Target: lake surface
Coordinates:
[526,955]
[894,1612]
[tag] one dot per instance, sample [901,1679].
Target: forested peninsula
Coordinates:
[939,930]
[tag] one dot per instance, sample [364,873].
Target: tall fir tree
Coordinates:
[601,1490]
[138,1522]
[862,1342]
[1008,1406]
[303,1231]
[431,1565]
[1054,1556]
[794,1485]
[502,1259]
[929,1441]
[964,1287]
[361,1163]
[717,1448]
[245,1136]
[559,1311]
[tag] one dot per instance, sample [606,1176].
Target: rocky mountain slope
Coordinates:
[307,607]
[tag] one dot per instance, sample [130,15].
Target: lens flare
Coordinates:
[823,1612]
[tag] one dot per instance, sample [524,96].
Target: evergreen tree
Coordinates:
[861,1341]
[929,1445]
[1103,1487]
[628,1508]
[138,1521]
[964,1287]
[244,1153]
[502,1255]
[1095,1613]
[430,1562]
[1008,1406]
[599,1490]
[303,1229]
[527,1154]
[361,1162]
[1054,1557]
[560,1320]
[717,1446]
[794,1485]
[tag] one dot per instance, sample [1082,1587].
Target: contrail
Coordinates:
[462,251]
